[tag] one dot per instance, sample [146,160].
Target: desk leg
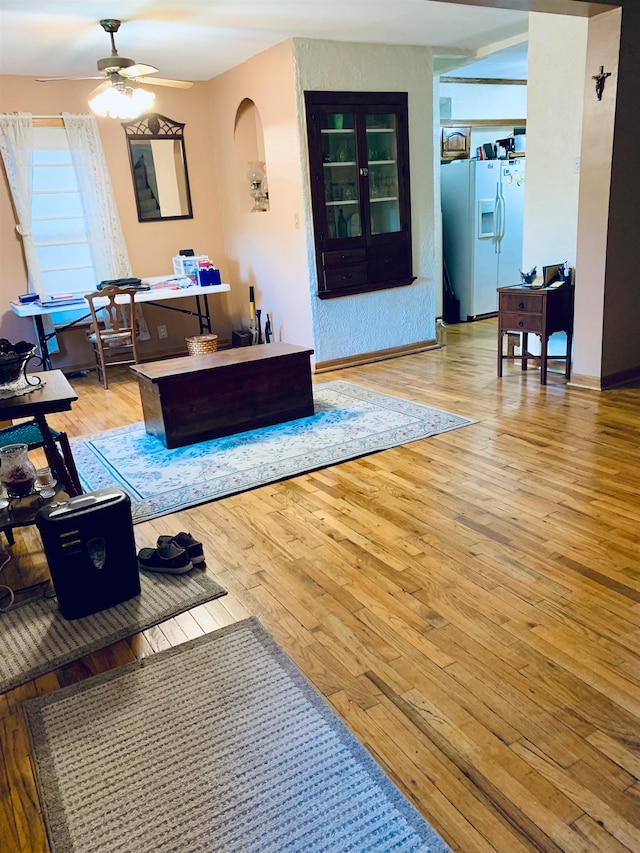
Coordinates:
[567,370]
[543,360]
[525,349]
[204,317]
[500,342]
[42,341]
[55,459]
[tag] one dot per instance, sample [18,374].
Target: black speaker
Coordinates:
[89,545]
[240,338]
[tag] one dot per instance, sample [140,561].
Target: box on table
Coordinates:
[206,276]
[187,267]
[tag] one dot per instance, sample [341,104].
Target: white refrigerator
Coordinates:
[482,215]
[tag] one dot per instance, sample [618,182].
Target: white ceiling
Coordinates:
[199,39]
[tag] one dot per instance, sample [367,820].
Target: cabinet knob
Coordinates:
[521,323]
[364,172]
[521,306]
[344,257]
[346,277]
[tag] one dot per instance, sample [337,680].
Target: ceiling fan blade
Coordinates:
[138,70]
[58,79]
[160,81]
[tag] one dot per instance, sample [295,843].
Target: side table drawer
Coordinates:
[531,303]
[514,322]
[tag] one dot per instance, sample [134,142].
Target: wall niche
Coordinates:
[251,163]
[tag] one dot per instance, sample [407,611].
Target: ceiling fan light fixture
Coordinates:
[121,101]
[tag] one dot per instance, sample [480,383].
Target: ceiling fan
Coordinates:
[118,69]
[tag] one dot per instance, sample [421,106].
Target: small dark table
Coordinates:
[22,513]
[197,397]
[541,310]
[54,394]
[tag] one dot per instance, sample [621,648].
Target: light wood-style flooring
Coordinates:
[469,604]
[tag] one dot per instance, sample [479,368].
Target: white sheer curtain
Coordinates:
[106,240]
[104,232]
[16,147]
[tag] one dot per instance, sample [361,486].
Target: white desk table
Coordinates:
[156,296]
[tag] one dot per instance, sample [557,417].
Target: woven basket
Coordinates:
[199,344]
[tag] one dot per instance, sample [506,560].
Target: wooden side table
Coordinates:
[22,513]
[54,394]
[541,311]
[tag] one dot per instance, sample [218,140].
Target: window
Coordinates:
[65,210]
[58,223]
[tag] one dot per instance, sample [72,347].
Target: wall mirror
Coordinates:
[158,167]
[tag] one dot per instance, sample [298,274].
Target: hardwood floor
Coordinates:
[469,604]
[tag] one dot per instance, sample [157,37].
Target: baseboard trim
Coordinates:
[584,382]
[623,377]
[605,383]
[370,357]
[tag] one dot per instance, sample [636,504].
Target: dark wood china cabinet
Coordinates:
[359,165]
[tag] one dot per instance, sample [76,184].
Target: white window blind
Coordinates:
[58,223]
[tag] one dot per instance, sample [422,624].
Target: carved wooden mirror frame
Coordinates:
[159,168]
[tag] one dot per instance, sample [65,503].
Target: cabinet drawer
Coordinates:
[515,322]
[529,302]
[347,256]
[389,263]
[336,278]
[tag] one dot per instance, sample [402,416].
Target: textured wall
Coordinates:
[370,322]
[554,127]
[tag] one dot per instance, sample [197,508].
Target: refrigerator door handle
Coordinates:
[498,223]
[501,219]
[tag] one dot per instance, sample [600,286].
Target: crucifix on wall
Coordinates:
[600,80]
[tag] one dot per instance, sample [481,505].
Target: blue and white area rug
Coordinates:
[349,421]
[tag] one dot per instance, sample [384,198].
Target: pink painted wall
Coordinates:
[264,250]
[151,245]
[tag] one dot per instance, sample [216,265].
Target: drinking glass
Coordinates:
[45,482]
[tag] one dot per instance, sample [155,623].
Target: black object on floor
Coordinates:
[194,549]
[89,545]
[240,338]
[167,557]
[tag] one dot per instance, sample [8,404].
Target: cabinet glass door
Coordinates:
[341,184]
[382,156]
[360,193]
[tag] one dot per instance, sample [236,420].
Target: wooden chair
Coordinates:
[114,342]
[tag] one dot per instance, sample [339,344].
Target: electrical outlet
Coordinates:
[162,332]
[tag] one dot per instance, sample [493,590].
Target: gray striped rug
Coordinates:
[219,744]
[35,638]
